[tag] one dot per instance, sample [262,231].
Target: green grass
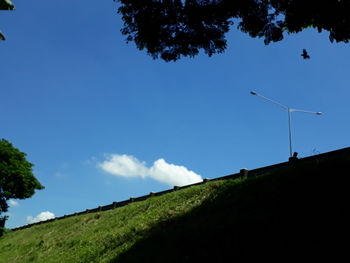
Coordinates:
[101,236]
[295,213]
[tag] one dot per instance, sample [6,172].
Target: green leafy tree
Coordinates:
[5,5]
[16,177]
[170,29]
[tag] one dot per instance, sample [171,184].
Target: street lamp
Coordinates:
[289,110]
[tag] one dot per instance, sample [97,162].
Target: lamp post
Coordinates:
[289,110]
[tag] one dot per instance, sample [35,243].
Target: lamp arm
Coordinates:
[270,100]
[306,111]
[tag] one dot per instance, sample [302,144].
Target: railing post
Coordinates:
[2,221]
[2,225]
[244,173]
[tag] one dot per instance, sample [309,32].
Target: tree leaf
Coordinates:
[6,5]
[2,37]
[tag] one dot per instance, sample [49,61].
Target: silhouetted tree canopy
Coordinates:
[16,178]
[170,29]
[5,5]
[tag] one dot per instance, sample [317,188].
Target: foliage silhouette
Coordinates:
[171,29]
[5,5]
[16,178]
[305,55]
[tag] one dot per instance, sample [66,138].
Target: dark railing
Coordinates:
[243,173]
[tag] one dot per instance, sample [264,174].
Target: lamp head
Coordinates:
[253,93]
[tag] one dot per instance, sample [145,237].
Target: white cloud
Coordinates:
[13,203]
[129,166]
[43,216]
[124,165]
[173,174]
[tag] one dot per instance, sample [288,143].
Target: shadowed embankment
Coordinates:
[296,213]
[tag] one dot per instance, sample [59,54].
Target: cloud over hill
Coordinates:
[129,166]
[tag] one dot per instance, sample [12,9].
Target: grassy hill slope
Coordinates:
[291,213]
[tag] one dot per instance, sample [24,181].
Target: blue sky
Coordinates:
[77,99]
